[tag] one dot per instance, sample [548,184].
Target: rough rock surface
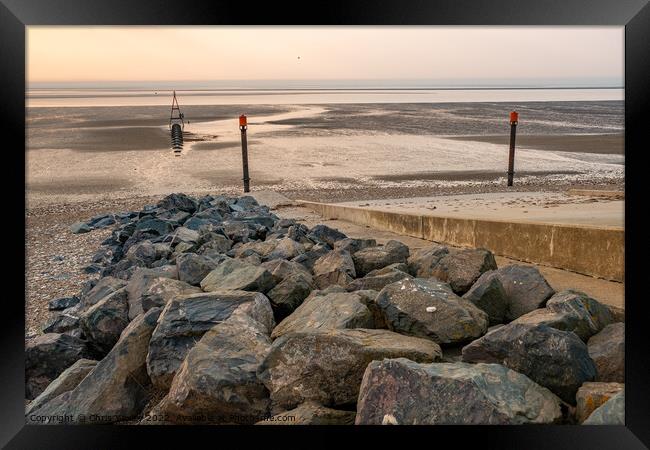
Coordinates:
[612,412]
[311,413]
[399,391]
[217,382]
[193,268]
[47,356]
[378,257]
[187,318]
[557,360]
[526,289]
[607,349]
[327,366]
[423,260]
[105,286]
[380,278]
[116,389]
[68,380]
[103,322]
[289,293]
[463,267]
[571,311]
[237,275]
[592,395]
[335,267]
[429,308]
[488,294]
[324,312]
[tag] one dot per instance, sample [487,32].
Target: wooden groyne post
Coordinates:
[243,125]
[514,119]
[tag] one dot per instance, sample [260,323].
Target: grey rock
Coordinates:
[289,293]
[237,275]
[335,267]
[462,268]
[423,260]
[80,227]
[183,234]
[217,382]
[488,294]
[325,312]
[218,243]
[309,258]
[526,289]
[327,366]
[62,323]
[104,287]
[403,392]
[607,349]
[592,395]
[557,360]
[354,245]
[62,303]
[117,389]
[193,268]
[325,234]
[187,318]
[428,308]
[154,226]
[611,412]
[372,258]
[311,413]
[47,356]
[103,322]
[281,269]
[571,311]
[286,249]
[378,279]
[181,202]
[142,251]
[68,380]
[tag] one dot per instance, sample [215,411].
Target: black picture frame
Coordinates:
[15,15]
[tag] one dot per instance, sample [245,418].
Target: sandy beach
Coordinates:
[83,161]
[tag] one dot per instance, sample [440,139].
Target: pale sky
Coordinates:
[104,54]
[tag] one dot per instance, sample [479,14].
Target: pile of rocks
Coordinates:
[214,310]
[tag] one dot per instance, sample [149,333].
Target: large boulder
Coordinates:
[423,260]
[327,366]
[571,311]
[526,289]
[180,202]
[463,267]
[187,318]
[354,245]
[403,392]
[324,312]
[607,349]
[67,381]
[372,258]
[238,275]
[309,258]
[489,295]
[103,322]
[326,235]
[64,322]
[281,269]
[612,412]
[289,293]
[335,267]
[429,308]
[47,356]
[378,279]
[115,390]
[193,268]
[311,413]
[286,249]
[216,243]
[105,286]
[557,360]
[155,285]
[591,396]
[62,303]
[217,382]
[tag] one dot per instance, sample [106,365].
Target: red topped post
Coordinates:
[514,119]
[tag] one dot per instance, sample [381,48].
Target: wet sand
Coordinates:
[600,143]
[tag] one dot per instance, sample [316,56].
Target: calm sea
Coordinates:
[58,97]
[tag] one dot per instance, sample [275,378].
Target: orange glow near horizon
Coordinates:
[94,54]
